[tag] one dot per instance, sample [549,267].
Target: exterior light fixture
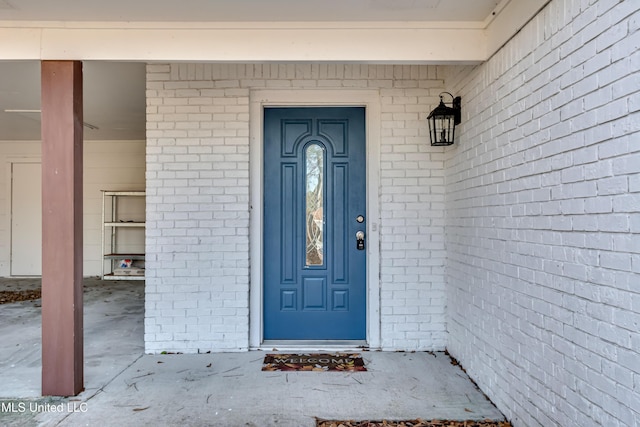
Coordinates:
[443,120]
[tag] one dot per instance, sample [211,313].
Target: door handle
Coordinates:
[360,240]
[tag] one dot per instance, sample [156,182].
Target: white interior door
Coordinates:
[26,219]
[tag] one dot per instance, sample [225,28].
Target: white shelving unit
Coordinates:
[119,218]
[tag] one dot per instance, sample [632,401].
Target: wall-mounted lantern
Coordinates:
[443,120]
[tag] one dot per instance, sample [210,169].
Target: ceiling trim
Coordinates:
[346,44]
[509,20]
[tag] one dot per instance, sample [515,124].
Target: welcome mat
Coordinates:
[345,362]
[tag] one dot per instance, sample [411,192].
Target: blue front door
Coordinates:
[314,204]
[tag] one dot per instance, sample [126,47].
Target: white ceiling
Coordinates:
[247,10]
[114,100]
[114,92]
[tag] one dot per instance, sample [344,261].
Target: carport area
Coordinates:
[113,335]
[126,387]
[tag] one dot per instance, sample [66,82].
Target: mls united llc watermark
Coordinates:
[23,407]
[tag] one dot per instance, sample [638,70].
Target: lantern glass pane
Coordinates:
[441,130]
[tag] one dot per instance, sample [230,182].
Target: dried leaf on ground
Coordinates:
[412,423]
[7,297]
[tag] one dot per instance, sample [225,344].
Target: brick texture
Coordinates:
[543,219]
[198,200]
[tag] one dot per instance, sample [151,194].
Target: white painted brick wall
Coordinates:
[198,200]
[197,212]
[543,219]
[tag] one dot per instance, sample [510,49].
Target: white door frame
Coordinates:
[370,99]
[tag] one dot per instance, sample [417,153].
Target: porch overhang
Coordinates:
[373,42]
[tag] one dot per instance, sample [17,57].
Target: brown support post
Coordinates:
[62,329]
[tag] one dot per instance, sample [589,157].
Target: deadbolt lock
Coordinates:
[360,240]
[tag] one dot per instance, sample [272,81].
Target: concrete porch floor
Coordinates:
[125,387]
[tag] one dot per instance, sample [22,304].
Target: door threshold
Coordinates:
[313,345]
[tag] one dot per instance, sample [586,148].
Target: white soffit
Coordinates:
[432,31]
[247,10]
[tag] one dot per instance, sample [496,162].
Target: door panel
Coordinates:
[26,219]
[314,189]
